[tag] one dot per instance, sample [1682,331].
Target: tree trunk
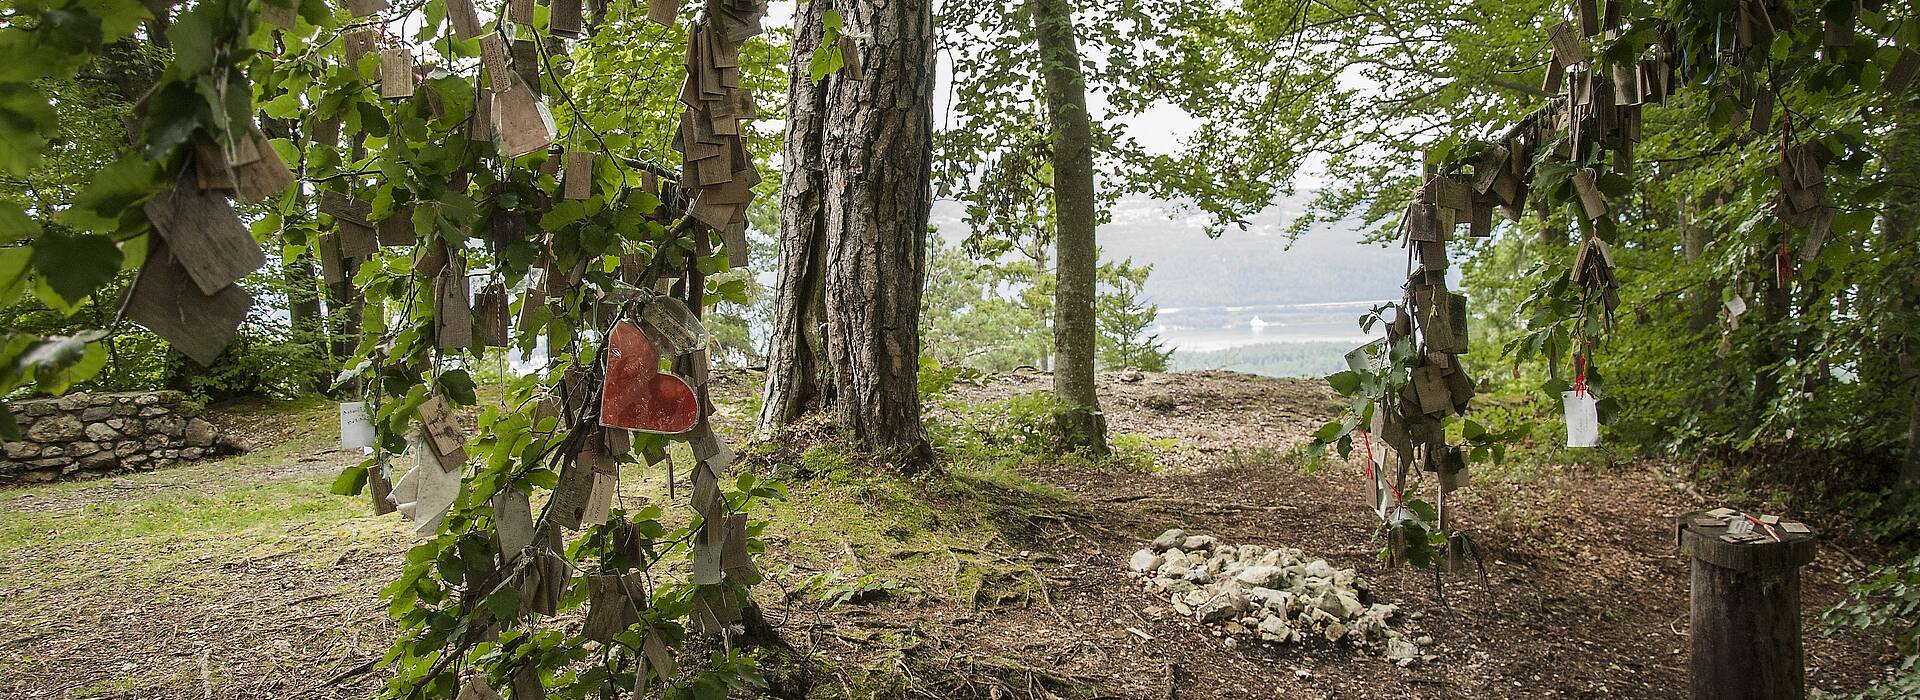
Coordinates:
[1082,426]
[1900,225]
[796,371]
[862,207]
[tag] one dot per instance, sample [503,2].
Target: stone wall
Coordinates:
[84,434]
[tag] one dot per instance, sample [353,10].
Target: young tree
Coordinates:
[854,211]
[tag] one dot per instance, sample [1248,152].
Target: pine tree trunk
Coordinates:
[1900,224]
[1082,426]
[796,371]
[861,208]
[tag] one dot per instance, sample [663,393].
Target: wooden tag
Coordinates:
[380,488]
[480,123]
[267,175]
[365,8]
[599,500]
[570,495]
[1901,76]
[205,234]
[432,260]
[397,228]
[1422,222]
[675,329]
[1567,48]
[520,12]
[1588,12]
[333,266]
[476,688]
[530,306]
[1626,84]
[736,561]
[165,299]
[359,43]
[512,523]
[663,12]
[610,610]
[396,73]
[493,62]
[563,17]
[282,14]
[523,55]
[210,167]
[735,241]
[1817,234]
[443,433]
[850,57]
[465,21]
[579,178]
[658,656]
[357,241]
[1591,199]
[490,316]
[453,318]
[523,124]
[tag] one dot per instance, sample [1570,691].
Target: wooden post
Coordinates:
[1746,611]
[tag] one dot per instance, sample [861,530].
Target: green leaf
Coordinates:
[1345,382]
[15,224]
[457,386]
[74,266]
[109,200]
[351,481]
[1330,432]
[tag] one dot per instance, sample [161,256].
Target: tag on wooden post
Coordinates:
[465,21]
[579,177]
[452,318]
[166,300]
[442,432]
[396,73]
[205,234]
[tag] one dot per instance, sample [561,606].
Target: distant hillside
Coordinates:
[1307,359]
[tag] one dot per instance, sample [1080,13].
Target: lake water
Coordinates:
[1205,329]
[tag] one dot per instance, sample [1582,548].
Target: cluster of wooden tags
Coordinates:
[717,169]
[1744,528]
[187,292]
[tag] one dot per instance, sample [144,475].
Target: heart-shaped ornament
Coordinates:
[637,395]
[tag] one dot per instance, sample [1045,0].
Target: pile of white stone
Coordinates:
[1275,595]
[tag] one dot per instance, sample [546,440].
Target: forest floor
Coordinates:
[1004,576]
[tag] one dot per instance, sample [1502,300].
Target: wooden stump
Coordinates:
[1746,613]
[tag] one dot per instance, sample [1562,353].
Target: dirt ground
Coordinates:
[242,579]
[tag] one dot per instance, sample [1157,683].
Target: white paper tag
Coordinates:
[356,425]
[1583,418]
[1736,307]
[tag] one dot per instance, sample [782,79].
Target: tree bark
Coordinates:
[1081,424]
[796,370]
[1900,226]
[864,210]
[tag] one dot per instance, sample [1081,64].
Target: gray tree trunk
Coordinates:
[1900,225]
[863,208]
[1082,426]
[796,368]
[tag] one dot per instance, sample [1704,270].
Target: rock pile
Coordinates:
[95,434]
[1249,592]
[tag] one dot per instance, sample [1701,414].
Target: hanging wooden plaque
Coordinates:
[524,56]
[359,43]
[490,316]
[1591,200]
[280,13]
[452,317]
[512,523]
[333,266]
[465,21]
[442,431]
[520,12]
[570,495]
[397,228]
[205,234]
[210,166]
[563,18]
[493,62]
[523,124]
[365,8]
[166,300]
[579,178]
[266,175]
[396,73]
[1567,48]
[663,12]
[610,610]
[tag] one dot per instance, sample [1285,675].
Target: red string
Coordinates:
[1366,443]
[1580,377]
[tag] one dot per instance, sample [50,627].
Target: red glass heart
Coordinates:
[637,395]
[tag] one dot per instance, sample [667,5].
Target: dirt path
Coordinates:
[243,579]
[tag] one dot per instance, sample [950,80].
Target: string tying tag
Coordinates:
[1580,376]
[1366,443]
